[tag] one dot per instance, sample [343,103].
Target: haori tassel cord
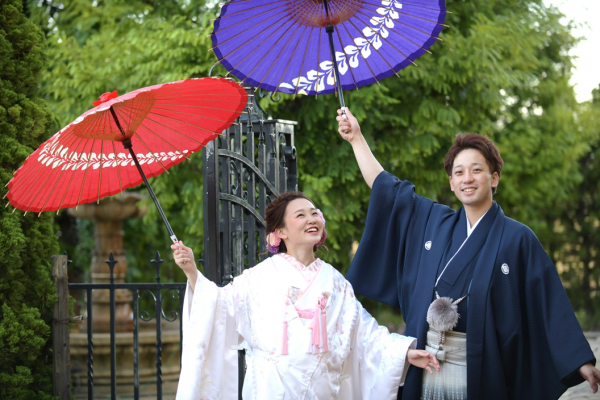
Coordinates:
[442,315]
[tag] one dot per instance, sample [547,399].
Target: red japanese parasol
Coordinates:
[165,124]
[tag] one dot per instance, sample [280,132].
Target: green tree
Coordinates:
[95,47]
[576,242]
[27,293]
[502,70]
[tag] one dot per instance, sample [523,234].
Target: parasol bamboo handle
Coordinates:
[329,28]
[129,146]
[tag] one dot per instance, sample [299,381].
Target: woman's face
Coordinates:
[303,226]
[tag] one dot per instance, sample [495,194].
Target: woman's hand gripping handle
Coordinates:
[184,257]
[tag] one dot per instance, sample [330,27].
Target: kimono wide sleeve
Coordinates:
[377,363]
[209,368]
[374,270]
[556,345]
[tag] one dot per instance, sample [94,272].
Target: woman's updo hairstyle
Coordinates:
[275,213]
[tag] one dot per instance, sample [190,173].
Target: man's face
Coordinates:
[471,180]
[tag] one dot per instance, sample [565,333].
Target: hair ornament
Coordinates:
[324,236]
[273,242]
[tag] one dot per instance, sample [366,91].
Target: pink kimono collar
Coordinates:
[318,316]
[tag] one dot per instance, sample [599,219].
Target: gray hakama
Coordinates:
[450,383]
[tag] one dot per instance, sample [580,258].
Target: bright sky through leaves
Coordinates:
[585,14]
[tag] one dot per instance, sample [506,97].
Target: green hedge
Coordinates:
[27,293]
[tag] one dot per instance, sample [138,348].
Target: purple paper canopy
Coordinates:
[281,45]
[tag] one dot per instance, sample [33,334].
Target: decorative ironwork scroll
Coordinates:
[244,169]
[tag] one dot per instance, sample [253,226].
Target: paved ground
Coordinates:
[583,391]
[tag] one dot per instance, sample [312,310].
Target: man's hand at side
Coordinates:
[590,374]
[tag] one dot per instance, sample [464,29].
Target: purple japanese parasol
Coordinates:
[288,45]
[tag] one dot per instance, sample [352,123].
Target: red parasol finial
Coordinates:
[105,97]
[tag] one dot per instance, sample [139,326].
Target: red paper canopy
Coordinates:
[84,161]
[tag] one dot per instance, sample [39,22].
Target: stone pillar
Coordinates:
[108,216]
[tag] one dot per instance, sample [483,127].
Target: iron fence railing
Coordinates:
[158,292]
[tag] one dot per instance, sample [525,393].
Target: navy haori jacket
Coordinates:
[523,340]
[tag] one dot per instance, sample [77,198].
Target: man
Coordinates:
[475,288]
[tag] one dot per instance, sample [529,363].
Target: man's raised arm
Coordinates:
[350,131]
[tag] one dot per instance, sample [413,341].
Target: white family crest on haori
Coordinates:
[373,37]
[363,360]
[505,269]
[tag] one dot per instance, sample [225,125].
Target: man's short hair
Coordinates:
[483,144]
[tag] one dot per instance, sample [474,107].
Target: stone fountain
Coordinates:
[108,215]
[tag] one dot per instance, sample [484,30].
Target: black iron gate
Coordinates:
[243,171]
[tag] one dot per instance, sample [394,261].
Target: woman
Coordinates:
[305,334]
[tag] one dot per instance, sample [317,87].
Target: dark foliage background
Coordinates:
[502,70]
[27,293]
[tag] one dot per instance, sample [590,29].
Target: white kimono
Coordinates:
[360,359]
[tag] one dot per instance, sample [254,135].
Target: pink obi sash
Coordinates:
[318,325]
